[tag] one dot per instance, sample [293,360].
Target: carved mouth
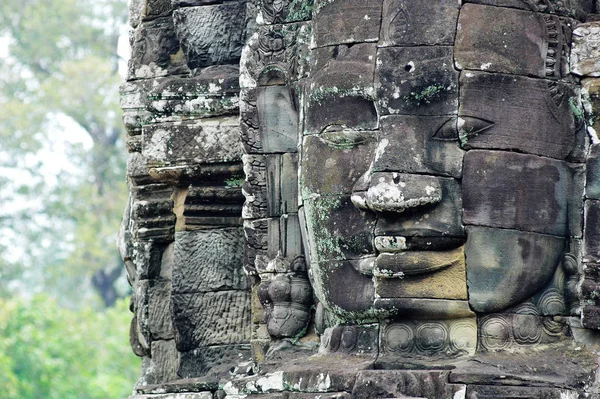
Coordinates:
[410,263]
[398,243]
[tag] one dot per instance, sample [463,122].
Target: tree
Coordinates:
[58,228]
[50,352]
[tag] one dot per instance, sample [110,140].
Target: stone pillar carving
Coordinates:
[182,236]
[272,69]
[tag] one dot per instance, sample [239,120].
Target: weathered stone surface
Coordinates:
[425,308]
[282,183]
[286,299]
[408,23]
[592,178]
[357,340]
[499,259]
[208,206]
[502,189]
[275,54]
[500,111]
[498,392]
[341,88]
[185,395]
[585,56]
[346,21]
[430,219]
[211,92]
[163,363]
[416,81]
[518,331]
[354,297]
[212,360]
[591,241]
[273,11]
[337,229]
[419,144]
[558,366]
[278,118]
[213,318]
[255,187]
[412,338]
[284,239]
[416,274]
[343,158]
[160,324]
[405,383]
[523,43]
[192,142]
[209,260]
[577,8]
[155,50]
[211,34]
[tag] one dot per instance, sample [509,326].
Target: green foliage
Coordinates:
[61,74]
[49,352]
[424,96]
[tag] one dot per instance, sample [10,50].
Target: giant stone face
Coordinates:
[441,162]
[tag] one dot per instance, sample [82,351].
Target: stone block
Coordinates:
[155,50]
[438,219]
[212,360]
[163,366]
[210,92]
[358,340]
[591,240]
[410,23]
[337,229]
[421,274]
[372,384]
[342,289]
[285,240]
[340,90]
[498,260]
[590,317]
[282,184]
[255,187]
[276,54]
[420,144]
[569,8]
[516,191]
[274,12]
[500,392]
[346,21]
[592,178]
[516,113]
[213,318]
[209,260]
[160,324]
[512,41]
[354,111]
[416,81]
[214,206]
[518,332]
[277,118]
[585,55]
[344,156]
[414,338]
[213,34]
[208,141]
[425,308]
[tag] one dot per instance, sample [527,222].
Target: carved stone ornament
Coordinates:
[366,199]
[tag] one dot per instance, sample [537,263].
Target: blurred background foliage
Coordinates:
[63,292]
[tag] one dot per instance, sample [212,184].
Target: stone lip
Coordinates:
[421,241]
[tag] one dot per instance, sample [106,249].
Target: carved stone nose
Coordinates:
[395,192]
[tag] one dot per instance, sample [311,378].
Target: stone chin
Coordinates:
[506,267]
